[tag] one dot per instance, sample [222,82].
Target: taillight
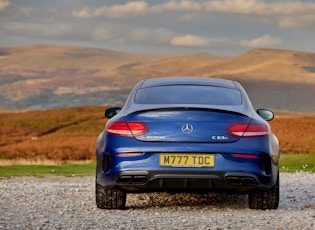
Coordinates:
[248,130]
[127,128]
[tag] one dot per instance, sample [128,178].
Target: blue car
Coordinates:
[187,134]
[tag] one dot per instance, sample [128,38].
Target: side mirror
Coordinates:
[266,114]
[111,112]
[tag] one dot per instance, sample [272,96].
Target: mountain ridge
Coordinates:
[48,76]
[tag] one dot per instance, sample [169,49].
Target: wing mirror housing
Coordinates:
[111,112]
[266,114]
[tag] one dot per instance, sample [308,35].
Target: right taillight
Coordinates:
[248,130]
[128,129]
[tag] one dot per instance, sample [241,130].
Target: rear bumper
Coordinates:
[181,181]
[143,173]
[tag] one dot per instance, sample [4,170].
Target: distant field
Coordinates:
[65,135]
[60,135]
[288,163]
[296,132]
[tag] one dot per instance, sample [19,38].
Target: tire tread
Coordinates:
[265,199]
[109,198]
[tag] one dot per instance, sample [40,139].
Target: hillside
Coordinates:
[70,134]
[45,77]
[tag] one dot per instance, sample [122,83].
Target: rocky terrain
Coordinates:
[68,203]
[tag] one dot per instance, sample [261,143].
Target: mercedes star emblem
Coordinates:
[187,128]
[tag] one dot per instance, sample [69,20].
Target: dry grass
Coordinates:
[59,135]
[296,132]
[67,135]
[5,162]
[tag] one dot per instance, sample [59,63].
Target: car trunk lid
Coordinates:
[188,125]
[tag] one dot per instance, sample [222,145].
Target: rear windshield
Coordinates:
[188,94]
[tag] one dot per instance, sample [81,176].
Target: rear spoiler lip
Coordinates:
[239,109]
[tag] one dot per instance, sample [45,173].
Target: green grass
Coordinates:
[86,169]
[297,162]
[288,163]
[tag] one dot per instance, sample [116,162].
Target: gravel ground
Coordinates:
[68,203]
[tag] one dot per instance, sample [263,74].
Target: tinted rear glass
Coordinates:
[188,94]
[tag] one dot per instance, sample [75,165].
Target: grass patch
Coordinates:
[288,163]
[297,162]
[87,169]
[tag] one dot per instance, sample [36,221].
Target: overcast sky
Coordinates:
[220,27]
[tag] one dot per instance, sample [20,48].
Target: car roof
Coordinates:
[188,81]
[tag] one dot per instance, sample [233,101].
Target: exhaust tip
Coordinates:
[138,179]
[233,180]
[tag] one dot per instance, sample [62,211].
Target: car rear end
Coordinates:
[176,141]
[217,154]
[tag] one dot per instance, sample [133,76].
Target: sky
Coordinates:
[217,27]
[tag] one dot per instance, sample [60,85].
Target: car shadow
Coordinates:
[210,200]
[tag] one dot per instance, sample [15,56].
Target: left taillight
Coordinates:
[248,130]
[128,129]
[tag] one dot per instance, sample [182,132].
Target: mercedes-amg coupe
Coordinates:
[187,134]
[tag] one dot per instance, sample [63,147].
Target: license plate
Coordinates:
[186,160]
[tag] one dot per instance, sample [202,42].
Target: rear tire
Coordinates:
[109,198]
[265,199]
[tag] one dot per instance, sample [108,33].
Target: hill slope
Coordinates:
[43,76]
[70,134]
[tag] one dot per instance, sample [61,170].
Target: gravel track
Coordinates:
[56,202]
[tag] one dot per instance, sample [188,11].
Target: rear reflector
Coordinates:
[242,155]
[128,129]
[129,154]
[248,130]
